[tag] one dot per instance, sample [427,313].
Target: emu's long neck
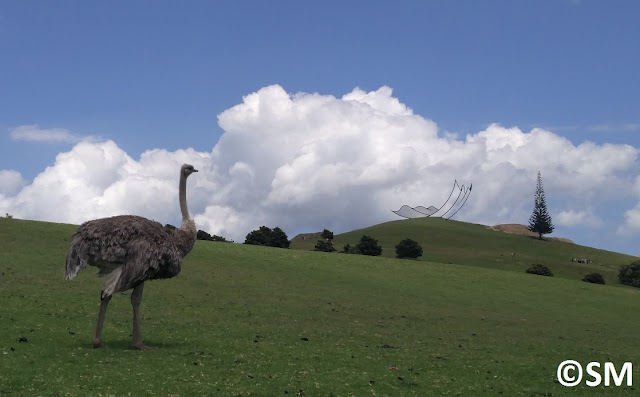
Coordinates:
[183,198]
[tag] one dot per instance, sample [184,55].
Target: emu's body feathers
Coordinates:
[128,250]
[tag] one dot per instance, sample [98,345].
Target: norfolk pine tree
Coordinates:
[540,220]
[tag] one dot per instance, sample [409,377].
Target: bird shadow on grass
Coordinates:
[125,344]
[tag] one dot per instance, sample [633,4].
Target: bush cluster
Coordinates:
[408,248]
[540,270]
[595,278]
[202,235]
[325,244]
[327,234]
[348,249]
[367,246]
[275,237]
[630,274]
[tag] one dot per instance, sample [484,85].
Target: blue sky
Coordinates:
[158,74]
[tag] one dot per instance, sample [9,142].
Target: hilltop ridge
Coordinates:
[522,230]
[456,242]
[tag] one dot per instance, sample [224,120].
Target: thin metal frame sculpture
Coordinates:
[468,193]
[421,212]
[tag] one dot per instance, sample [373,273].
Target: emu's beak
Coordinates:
[195,170]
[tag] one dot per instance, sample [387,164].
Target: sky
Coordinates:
[310,115]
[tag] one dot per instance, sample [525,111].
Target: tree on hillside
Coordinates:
[348,249]
[408,248]
[369,246]
[202,235]
[630,274]
[259,236]
[278,238]
[325,243]
[540,220]
[266,236]
[327,234]
[324,246]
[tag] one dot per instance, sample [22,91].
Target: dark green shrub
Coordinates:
[268,237]
[630,274]
[595,278]
[540,270]
[348,249]
[327,235]
[259,236]
[278,238]
[202,235]
[369,246]
[324,246]
[408,249]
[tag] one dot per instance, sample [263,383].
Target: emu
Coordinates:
[129,250]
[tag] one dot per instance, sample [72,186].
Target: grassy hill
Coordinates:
[246,320]
[449,241]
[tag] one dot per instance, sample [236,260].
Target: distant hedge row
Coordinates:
[628,274]
[407,248]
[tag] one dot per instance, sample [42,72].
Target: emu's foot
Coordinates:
[140,346]
[97,343]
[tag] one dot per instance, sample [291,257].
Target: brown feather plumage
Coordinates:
[129,250]
[144,249]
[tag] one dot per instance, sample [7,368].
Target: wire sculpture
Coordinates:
[424,212]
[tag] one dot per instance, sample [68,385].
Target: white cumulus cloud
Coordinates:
[308,161]
[33,133]
[631,224]
[631,221]
[100,179]
[574,218]
[11,182]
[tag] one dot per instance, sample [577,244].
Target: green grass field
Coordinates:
[246,320]
[448,241]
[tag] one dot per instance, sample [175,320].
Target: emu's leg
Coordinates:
[97,338]
[136,298]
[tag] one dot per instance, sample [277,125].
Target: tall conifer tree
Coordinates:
[540,220]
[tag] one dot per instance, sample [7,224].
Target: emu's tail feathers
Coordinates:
[75,263]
